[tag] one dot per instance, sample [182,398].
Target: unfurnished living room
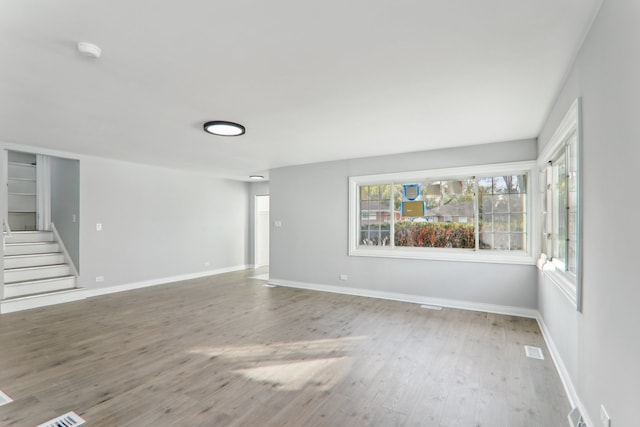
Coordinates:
[357,213]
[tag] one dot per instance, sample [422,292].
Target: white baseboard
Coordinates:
[569,388]
[417,299]
[161,281]
[35,301]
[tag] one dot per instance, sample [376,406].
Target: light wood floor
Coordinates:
[227,351]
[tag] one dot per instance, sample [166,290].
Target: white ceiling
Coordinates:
[311,81]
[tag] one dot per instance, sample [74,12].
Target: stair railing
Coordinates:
[7,231]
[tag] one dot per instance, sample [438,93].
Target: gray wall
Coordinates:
[255,189]
[157,222]
[600,347]
[65,203]
[311,246]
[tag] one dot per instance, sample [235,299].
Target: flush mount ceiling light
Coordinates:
[256,177]
[222,128]
[89,50]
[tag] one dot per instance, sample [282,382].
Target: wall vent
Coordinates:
[533,352]
[4,399]
[70,419]
[431,307]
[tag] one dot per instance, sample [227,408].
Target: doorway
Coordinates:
[261,243]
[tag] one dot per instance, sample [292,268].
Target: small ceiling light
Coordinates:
[222,128]
[256,177]
[89,50]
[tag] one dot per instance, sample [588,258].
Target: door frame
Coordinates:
[256,234]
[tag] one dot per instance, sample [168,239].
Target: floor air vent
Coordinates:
[4,399]
[431,307]
[70,419]
[533,352]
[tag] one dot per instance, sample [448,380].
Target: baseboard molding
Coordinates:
[569,388]
[161,281]
[417,299]
[44,300]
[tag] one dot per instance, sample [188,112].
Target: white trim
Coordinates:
[416,299]
[35,301]
[566,286]
[491,169]
[570,124]
[567,126]
[569,388]
[94,292]
[43,192]
[443,254]
[63,249]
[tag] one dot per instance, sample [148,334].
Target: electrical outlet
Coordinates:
[277,223]
[344,277]
[604,417]
[98,227]
[99,278]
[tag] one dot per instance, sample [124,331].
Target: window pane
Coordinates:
[517,242]
[375,215]
[486,240]
[501,241]
[501,222]
[449,221]
[516,203]
[572,208]
[559,232]
[503,212]
[364,193]
[517,222]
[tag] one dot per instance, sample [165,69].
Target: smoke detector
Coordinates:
[89,50]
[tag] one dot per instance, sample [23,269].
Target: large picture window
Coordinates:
[473,213]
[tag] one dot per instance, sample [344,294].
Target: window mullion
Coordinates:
[392,223]
[476,213]
[567,162]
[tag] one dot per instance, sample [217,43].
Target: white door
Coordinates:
[261,243]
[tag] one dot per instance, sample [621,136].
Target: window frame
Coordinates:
[526,256]
[569,283]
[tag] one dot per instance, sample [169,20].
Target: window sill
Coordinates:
[560,280]
[440,254]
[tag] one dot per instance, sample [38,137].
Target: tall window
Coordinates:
[561,214]
[454,214]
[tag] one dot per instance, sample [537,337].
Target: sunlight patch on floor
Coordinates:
[280,349]
[323,374]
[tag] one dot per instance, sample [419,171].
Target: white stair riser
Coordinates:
[22,289]
[31,249]
[13,305]
[33,260]
[37,236]
[20,275]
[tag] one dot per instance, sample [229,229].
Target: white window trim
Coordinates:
[444,254]
[569,284]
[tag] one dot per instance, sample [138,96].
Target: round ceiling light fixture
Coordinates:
[223,128]
[256,177]
[89,50]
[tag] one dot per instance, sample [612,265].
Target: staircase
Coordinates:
[35,272]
